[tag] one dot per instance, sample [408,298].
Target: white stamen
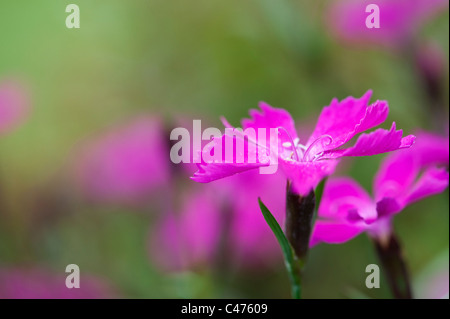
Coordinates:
[291,143]
[324,139]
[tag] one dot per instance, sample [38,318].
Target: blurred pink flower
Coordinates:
[399,20]
[220,222]
[306,165]
[188,239]
[433,282]
[14,105]
[404,177]
[437,286]
[127,164]
[41,284]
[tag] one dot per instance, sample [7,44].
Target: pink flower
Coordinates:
[305,165]
[127,164]
[41,284]
[399,20]
[222,221]
[347,210]
[189,239]
[14,105]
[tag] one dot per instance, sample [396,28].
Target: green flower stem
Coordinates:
[293,265]
[295,276]
[300,216]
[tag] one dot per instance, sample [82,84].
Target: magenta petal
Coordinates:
[271,117]
[214,171]
[343,120]
[334,232]
[305,176]
[342,195]
[229,164]
[433,181]
[388,206]
[431,149]
[380,141]
[377,142]
[396,175]
[399,170]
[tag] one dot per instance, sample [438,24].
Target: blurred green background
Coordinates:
[201,59]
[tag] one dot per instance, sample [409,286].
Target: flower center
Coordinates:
[325,140]
[293,150]
[291,145]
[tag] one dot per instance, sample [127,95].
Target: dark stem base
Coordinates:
[299,221]
[390,253]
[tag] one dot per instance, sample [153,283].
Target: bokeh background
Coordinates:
[175,61]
